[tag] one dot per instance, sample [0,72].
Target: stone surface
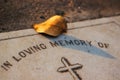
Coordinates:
[88,51]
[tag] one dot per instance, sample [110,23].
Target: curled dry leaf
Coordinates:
[54,26]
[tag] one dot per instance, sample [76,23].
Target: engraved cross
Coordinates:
[70,68]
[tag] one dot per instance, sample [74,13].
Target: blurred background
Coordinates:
[22,14]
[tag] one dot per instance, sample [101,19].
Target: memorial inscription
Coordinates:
[38,47]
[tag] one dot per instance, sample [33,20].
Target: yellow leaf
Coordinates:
[54,26]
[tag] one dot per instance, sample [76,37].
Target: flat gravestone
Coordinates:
[90,50]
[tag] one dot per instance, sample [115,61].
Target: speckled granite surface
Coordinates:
[22,14]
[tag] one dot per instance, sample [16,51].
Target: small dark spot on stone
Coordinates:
[88,50]
[59,12]
[42,17]
[3,28]
[5,1]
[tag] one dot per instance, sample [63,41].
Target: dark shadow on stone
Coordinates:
[80,47]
